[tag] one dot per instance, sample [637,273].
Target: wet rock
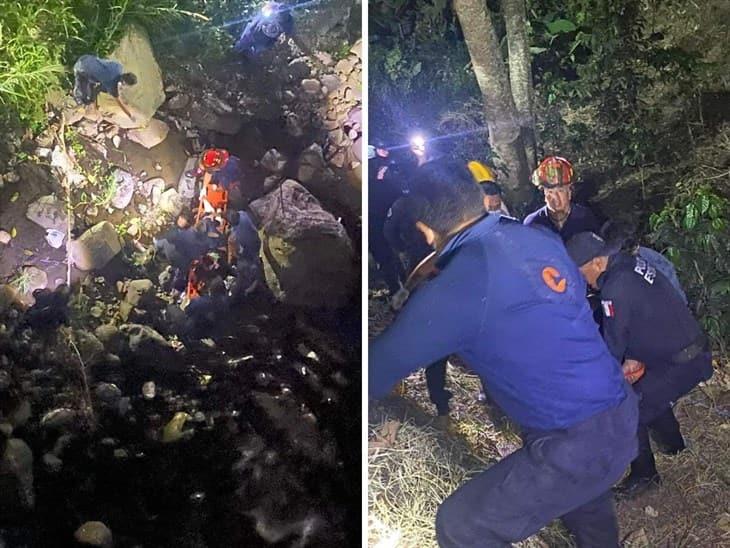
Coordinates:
[178,102]
[294,125]
[204,116]
[59,419]
[52,463]
[5,237]
[94,533]
[136,55]
[96,247]
[48,212]
[108,393]
[125,189]
[17,464]
[171,202]
[91,349]
[110,337]
[310,257]
[151,135]
[139,290]
[311,162]
[274,161]
[62,444]
[299,68]
[311,86]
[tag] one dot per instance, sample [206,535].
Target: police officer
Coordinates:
[554,177]
[497,281]
[648,328]
[623,235]
[262,32]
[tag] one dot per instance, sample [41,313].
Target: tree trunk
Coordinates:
[504,128]
[520,74]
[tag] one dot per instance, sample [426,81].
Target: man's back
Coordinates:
[509,301]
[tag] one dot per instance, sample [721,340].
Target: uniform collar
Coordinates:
[484,224]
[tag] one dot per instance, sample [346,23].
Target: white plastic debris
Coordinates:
[55,238]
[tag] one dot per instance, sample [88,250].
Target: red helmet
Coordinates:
[214,158]
[552,172]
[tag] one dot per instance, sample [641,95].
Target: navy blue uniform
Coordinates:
[510,302]
[93,75]
[246,236]
[580,219]
[645,319]
[262,32]
[664,266]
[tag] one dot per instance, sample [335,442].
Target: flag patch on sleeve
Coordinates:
[608,310]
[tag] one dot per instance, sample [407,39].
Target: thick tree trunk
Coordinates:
[520,73]
[502,122]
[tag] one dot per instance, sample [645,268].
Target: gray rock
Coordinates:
[310,259]
[204,116]
[151,135]
[138,290]
[145,341]
[311,86]
[331,82]
[91,349]
[94,533]
[178,101]
[96,247]
[62,444]
[59,419]
[108,393]
[125,189]
[48,212]
[274,161]
[299,69]
[311,162]
[21,414]
[52,463]
[171,202]
[17,462]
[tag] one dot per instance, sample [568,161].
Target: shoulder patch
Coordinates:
[608,309]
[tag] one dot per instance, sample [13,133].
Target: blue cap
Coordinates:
[586,246]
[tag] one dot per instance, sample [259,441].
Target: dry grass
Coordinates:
[408,480]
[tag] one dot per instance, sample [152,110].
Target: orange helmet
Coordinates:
[214,158]
[552,172]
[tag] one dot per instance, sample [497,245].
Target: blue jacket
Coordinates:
[580,219]
[247,237]
[262,32]
[537,349]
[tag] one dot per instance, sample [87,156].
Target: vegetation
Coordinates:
[41,39]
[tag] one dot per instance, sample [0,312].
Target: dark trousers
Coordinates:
[384,255]
[556,474]
[436,384]
[658,390]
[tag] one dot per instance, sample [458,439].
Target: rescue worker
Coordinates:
[93,75]
[623,235]
[264,30]
[384,188]
[554,177]
[649,329]
[180,247]
[204,312]
[498,280]
[243,238]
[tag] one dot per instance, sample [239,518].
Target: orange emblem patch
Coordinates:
[551,277]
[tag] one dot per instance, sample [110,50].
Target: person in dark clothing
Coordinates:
[624,236]
[180,247]
[648,328]
[243,239]
[554,176]
[206,311]
[385,186]
[496,281]
[263,31]
[93,75]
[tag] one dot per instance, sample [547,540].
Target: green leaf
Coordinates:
[703,203]
[690,216]
[718,224]
[561,26]
[14,197]
[536,50]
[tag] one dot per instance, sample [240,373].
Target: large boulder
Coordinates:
[48,212]
[135,54]
[96,247]
[212,114]
[307,253]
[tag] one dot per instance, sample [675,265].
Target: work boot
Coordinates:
[634,485]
